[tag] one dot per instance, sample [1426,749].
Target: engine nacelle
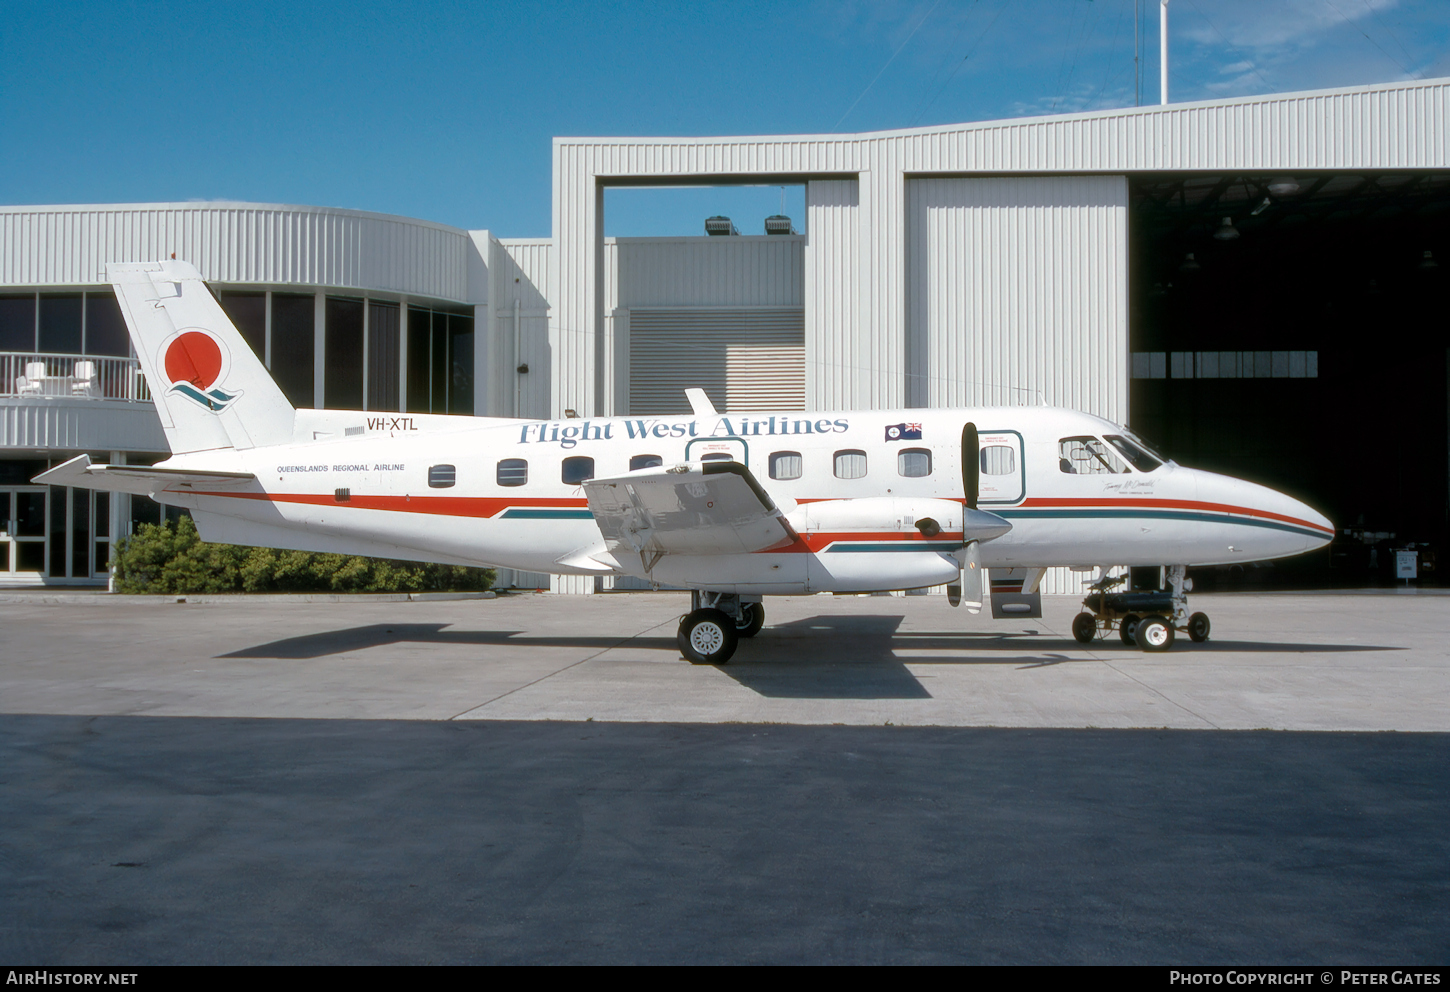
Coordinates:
[877,514]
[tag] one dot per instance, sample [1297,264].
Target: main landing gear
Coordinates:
[1148,620]
[709,633]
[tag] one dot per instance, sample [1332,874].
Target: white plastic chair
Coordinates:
[32,381]
[83,379]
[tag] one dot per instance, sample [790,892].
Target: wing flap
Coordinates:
[139,480]
[714,508]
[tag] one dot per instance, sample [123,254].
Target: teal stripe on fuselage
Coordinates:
[545,513]
[1127,514]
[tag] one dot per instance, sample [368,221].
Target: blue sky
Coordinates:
[445,111]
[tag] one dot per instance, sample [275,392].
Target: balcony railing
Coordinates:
[27,374]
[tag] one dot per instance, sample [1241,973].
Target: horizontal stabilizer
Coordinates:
[714,508]
[139,480]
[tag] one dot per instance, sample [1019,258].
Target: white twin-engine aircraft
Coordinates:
[735,506]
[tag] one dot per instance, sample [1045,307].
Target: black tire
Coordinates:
[1128,630]
[754,614]
[1154,634]
[1198,627]
[707,637]
[1084,628]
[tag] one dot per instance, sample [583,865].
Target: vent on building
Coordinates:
[746,359]
[779,224]
[717,226]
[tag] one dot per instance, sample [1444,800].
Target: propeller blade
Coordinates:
[971,465]
[972,577]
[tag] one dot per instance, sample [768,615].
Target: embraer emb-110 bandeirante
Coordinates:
[734,506]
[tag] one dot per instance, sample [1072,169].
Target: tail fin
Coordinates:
[210,388]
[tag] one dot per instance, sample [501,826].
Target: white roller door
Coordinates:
[745,358]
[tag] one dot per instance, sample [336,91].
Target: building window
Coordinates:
[440,362]
[576,470]
[645,461]
[1226,365]
[851,464]
[105,327]
[17,323]
[60,323]
[513,472]
[786,465]
[998,459]
[913,463]
[383,351]
[442,476]
[248,313]
[343,371]
[294,346]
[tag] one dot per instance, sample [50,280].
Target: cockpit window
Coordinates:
[1087,456]
[1137,456]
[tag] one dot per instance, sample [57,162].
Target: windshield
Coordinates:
[1136,454]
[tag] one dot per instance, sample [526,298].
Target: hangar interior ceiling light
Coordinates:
[1190,264]
[1428,262]
[1226,231]
[1283,186]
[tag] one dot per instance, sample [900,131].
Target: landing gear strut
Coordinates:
[709,633]
[1147,619]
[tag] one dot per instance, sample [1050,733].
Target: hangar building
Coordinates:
[1258,285]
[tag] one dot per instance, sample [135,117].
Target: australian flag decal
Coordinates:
[903,432]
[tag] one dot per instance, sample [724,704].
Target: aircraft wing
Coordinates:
[139,480]
[694,508]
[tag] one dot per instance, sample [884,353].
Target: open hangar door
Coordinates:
[1294,330]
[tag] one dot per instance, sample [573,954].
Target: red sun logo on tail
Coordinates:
[194,357]
[194,362]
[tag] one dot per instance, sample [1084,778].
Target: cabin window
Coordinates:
[913,463]
[1137,455]
[645,461]
[786,465]
[851,464]
[513,472]
[1087,456]
[998,459]
[442,476]
[576,470]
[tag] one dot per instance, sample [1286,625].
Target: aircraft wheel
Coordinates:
[707,637]
[1128,630]
[1198,626]
[1154,634]
[754,619]
[1084,628]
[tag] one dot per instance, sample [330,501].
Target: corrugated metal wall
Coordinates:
[520,269]
[856,270]
[833,276]
[757,270]
[1017,292]
[744,358]
[236,243]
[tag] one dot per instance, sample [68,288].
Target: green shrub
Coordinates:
[171,559]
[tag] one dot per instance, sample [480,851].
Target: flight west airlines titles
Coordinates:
[735,506]
[569,433]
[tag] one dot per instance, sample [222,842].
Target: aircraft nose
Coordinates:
[1279,524]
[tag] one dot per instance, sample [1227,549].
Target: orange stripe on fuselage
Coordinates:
[1168,504]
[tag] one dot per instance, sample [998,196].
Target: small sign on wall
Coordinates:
[1407,564]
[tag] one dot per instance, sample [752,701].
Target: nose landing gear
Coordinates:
[1147,619]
